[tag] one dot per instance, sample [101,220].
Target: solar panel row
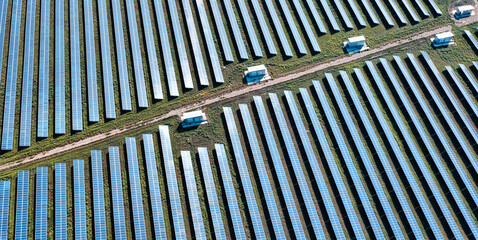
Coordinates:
[75,68]
[43,73]
[41,203]
[435,7]
[315,15]
[397,12]
[93,112]
[370,12]
[60,124]
[117,194]
[264,27]
[422,8]
[357,14]
[21,212]
[3,20]
[79,199]
[410,11]
[343,14]
[306,26]
[384,12]
[11,82]
[169,168]
[226,48]
[330,15]
[471,80]
[98,195]
[292,27]
[278,27]
[463,91]
[236,31]
[250,28]
[60,201]
[27,83]
[4,208]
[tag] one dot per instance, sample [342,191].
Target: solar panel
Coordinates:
[154,190]
[213,203]
[135,189]
[462,90]
[316,16]
[21,212]
[41,203]
[174,197]
[312,159]
[469,77]
[435,7]
[371,170]
[43,72]
[194,203]
[262,172]
[153,59]
[457,109]
[137,57]
[79,199]
[250,28]
[234,212]
[306,26]
[356,12]
[319,133]
[298,172]
[343,14]
[234,27]
[422,8]
[330,15]
[60,201]
[226,48]
[75,68]
[117,194]
[293,28]
[278,27]
[4,208]
[410,11]
[264,27]
[370,12]
[193,37]
[181,49]
[429,179]
[11,82]
[166,48]
[279,168]
[60,67]
[384,12]
[206,29]
[3,19]
[98,195]
[93,112]
[121,57]
[410,142]
[109,93]
[397,11]
[349,162]
[27,83]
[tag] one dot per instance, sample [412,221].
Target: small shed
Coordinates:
[256,74]
[464,11]
[194,118]
[443,39]
[355,44]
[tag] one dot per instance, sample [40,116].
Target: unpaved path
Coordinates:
[176,112]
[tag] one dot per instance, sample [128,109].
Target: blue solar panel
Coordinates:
[343,14]
[154,190]
[75,68]
[137,57]
[409,140]
[59,67]
[3,19]
[330,15]
[316,16]
[121,57]
[43,72]
[181,49]
[27,83]
[397,11]
[194,203]
[469,77]
[41,203]
[250,28]
[279,168]
[4,208]
[60,201]
[356,12]
[312,159]
[230,193]
[153,59]
[214,207]
[211,48]
[349,207]
[93,112]
[174,197]
[264,27]
[457,109]
[293,28]
[422,8]
[262,172]
[109,94]
[79,199]
[384,12]
[196,46]
[98,195]
[298,171]
[370,12]
[135,189]
[349,162]
[306,26]
[278,27]
[236,31]
[429,179]
[370,169]
[117,194]
[226,48]
[410,11]
[11,83]
[435,7]
[463,91]
[21,212]
[165,47]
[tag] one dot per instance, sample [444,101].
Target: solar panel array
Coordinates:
[472,39]
[278,27]
[343,14]
[98,195]
[249,28]
[236,31]
[471,80]
[79,199]
[60,201]
[41,203]
[75,68]
[316,16]
[293,28]
[306,25]
[4,208]
[117,194]
[93,112]
[60,105]
[463,91]
[21,212]
[226,48]
[3,20]
[264,28]
[356,12]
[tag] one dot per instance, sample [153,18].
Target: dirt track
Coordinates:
[313,68]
